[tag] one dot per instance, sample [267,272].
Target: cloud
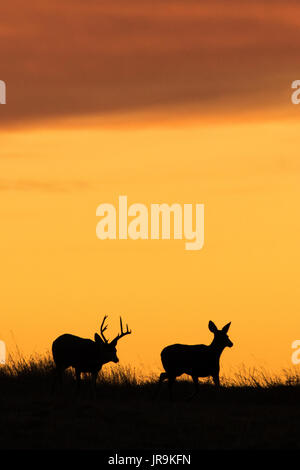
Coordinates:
[77,58]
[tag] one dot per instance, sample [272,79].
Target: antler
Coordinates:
[103,329]
[127,332]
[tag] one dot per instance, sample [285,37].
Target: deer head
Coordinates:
[221,338]
[108,350]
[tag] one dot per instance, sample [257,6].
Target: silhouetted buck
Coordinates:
[85,355]
[197,361]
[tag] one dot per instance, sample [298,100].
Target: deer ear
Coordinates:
[212,327]
[226,327]
[98,339]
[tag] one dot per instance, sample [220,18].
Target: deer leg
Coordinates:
[170,384]
[196,383]
[195,380]
[216,381]
[55,379]
[94,382]
[162,377]
[78,378]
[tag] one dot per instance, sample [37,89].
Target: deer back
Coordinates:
[69,350]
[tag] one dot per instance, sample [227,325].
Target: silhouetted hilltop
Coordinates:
[252,411]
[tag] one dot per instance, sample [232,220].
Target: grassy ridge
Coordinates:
[253,410]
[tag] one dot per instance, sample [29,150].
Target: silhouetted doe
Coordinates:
[195,360]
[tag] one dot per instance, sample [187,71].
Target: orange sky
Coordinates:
[162,103]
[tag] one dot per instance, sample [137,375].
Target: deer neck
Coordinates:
[217,348]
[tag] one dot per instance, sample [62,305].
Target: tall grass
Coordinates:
[42,367]
[259,377]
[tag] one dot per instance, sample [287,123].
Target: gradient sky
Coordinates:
[163,102]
